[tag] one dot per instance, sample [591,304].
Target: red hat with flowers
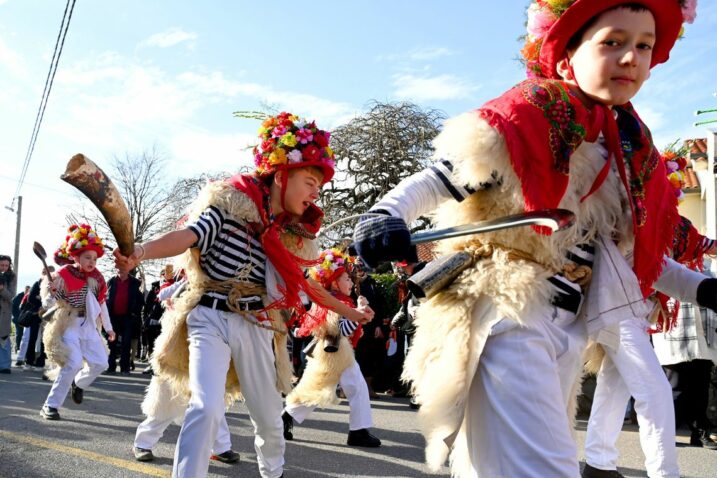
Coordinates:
[332,263]
[288,141]
[81,238]
[552,23]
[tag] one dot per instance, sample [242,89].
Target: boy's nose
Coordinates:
[630,56]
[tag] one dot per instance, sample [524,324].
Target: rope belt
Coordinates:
[235,291]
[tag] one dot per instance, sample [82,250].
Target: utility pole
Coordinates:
[16,265]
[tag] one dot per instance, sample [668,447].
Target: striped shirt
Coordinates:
[228,249]
[347,327]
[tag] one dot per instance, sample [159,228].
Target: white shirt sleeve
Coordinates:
[679,281]
[168,292]
[423,192]
[105,316]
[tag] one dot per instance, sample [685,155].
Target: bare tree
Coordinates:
[140,181]
[374,152]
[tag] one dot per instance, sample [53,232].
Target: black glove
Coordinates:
[707,294]
[383,238]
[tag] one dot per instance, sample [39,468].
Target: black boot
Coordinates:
[701,438]
[49,413]
[288,426]
[362,438]
[77,393]
[591,472]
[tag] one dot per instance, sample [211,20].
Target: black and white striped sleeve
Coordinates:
[423,192]
[347,327]
[207,227]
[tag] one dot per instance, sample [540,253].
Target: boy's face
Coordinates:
[302,190]
[4,266]
[86,261]
[343,284]
[613,59]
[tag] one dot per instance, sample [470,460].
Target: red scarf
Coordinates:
[316,316]
[287,264]
[543,123]
[75,279]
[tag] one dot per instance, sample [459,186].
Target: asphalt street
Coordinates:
[94,439]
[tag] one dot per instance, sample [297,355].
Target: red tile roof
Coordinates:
[691,181]
[426,251]
[697,147]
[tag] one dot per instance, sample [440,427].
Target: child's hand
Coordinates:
[111,336]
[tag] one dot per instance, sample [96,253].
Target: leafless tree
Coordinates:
[374,152]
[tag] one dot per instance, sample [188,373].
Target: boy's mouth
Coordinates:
[624,79]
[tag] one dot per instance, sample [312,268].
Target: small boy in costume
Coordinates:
[77,293]
[247,241]
[331,359]
[502,345]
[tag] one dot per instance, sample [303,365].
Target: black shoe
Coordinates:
[591,472]
[142,454]
[5,370]
[362,438]
[229,456]
[110,371]
[77,393]
[148,371]
[49,413]
[288,426]
[701,438]
[19,363]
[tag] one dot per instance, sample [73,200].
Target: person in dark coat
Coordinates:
[125,304]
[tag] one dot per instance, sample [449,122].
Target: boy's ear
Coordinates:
[563,68]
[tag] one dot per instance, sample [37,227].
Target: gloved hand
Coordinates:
[707,294]
[382,238]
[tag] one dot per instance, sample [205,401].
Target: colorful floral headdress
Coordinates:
[61,256]
[333,263]
[81,238]
[676,165]
[544,18]
[288,141]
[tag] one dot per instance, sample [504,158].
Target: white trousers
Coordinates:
[633,369]
[24,343]
[150,431]
[215,337]
[354,386]
[516,417]
[84,342]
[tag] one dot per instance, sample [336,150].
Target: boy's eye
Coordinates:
[611,43]
[644,46]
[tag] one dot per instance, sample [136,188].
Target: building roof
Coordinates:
[426,251]
[691,180]
[697,148]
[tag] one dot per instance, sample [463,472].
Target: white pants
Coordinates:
[354,386]
[150,431]
[516,417]
[24,343]
[215,337]
[84,342]
[633,369]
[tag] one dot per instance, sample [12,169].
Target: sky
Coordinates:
[135,75]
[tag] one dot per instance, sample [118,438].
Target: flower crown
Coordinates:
[332,263]
[542,15]
[290,141]
[80,237]
[676,165]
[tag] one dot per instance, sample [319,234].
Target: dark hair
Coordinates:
[3,257]
[577,38]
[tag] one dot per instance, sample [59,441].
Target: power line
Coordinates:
[59,43]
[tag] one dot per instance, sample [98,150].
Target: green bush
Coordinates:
[389,292]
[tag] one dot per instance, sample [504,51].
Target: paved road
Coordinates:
[93,440]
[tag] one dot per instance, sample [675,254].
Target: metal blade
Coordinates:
[555,219]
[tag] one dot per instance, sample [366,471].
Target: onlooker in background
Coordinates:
[8,286]
[153,311]
[29,354]
[689,350]
[19,329]
[125,302]
[371,348]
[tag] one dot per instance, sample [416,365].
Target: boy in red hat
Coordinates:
[331,361]
[496,355]
[77,294]
[245,247]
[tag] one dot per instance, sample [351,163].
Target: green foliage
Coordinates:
[389,292]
